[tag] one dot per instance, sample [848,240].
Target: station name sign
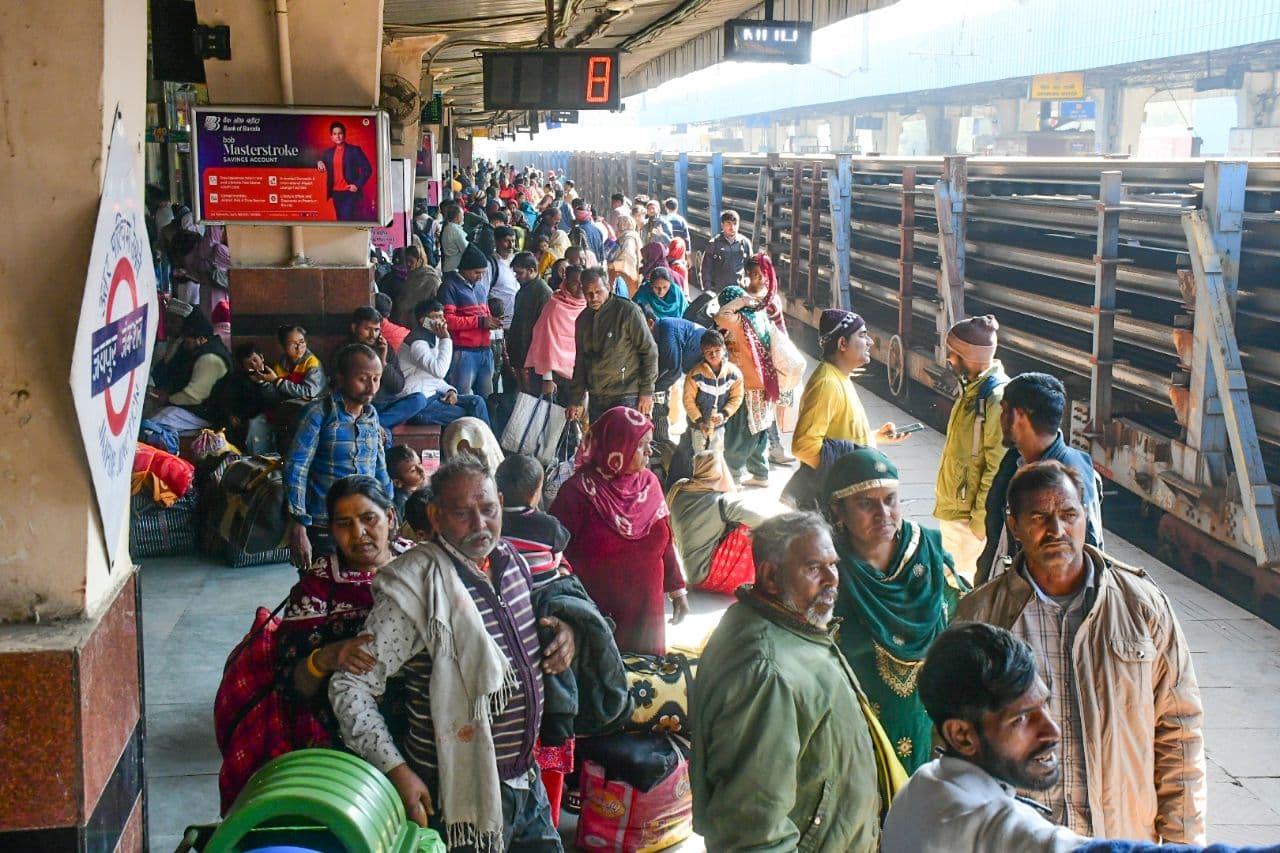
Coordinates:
[751,40]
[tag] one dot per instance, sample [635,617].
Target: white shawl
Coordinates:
[471,680]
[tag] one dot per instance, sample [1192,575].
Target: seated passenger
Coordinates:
[395,403]
[186,381]
[319,632]
[471,436]
[299,373]
[705,512]
[241,399]
[394,333]
[424,360]
[989,709]
[407,474]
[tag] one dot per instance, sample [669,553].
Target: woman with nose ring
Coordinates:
[319,632]
[898,590]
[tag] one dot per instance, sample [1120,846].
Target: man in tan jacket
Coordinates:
[1110,649]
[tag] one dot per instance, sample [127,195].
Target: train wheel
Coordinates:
[896,363]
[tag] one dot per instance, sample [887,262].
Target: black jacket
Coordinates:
[591,697]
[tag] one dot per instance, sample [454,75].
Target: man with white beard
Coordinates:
[785,756]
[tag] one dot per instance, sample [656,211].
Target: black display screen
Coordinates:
[551,80]
[749,40]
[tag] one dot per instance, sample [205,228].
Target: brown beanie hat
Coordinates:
[974,339]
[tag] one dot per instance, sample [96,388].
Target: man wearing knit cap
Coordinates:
[975,443]
[831,419]
[466,313]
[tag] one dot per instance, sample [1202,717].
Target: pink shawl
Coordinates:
[554,346]
[629,503]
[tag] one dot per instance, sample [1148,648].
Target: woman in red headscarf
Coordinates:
[678,263]
[620,542]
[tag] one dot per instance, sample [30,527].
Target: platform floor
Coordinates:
[194,611]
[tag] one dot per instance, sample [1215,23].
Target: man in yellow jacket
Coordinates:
[975,444]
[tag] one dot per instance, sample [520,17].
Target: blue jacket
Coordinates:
[679,349]
[1059,451]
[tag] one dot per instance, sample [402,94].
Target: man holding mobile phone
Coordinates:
[426,356]
[830,410]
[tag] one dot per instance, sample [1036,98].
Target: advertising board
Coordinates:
[278,166]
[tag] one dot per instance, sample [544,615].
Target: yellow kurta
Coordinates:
[829,408]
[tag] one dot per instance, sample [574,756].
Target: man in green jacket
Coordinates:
[783,758]
[616,362]
[975,442]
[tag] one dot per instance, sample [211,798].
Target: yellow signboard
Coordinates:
[479,133]
[1057,87]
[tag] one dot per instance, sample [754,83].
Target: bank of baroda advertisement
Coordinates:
[291,166]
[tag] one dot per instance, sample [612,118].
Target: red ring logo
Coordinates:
[118,418]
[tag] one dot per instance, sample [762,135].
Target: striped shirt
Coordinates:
[1050,627]
[508,617]
[330,444]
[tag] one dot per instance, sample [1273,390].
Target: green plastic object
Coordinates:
[348,800]
[429,841]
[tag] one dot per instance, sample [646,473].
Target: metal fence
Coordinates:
[1100,292]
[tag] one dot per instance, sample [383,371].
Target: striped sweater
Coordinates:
[508,617]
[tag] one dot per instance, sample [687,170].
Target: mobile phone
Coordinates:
[907,430]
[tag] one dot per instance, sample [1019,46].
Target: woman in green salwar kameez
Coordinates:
[898,591]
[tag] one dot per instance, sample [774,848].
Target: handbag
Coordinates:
[732,563]
[659,686]
[625,817]
[253,721]
[534,428]
[562,468]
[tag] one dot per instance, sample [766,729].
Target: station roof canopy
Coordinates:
[660,39]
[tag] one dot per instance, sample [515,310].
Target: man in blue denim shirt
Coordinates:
[336,437]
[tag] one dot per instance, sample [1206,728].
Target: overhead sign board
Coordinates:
[552,80]
[276,166]
[750,40]
[1057,87]
[563,116]
[115,338]
[1077,110]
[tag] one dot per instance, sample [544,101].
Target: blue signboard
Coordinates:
[1077,110]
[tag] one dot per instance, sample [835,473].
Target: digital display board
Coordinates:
[278,166]
[750,40]
[552,80]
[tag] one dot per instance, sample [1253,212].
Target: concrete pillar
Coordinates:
[332,66]
[941,139]
[70,745]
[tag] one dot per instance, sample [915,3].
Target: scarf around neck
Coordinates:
[629,503]
[759,335]
[471,682]
[902,608]
[553,345]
